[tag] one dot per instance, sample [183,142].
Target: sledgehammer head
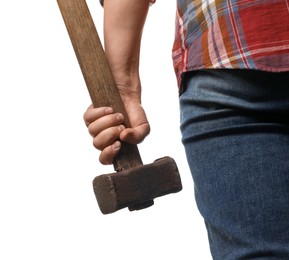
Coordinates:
[137,187]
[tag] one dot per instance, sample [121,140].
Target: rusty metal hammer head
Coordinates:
[136,188]
[134,185]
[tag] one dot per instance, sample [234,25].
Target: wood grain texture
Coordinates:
[96,71]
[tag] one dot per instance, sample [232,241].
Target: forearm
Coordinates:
[123,26]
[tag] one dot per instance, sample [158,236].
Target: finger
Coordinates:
[135,135]
[92,114]
[105,122]
[107,137]
[108,154]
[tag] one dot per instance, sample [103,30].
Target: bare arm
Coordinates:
[123,25]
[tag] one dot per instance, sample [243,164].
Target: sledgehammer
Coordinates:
[134,185]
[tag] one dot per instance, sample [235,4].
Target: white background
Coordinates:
[48,209]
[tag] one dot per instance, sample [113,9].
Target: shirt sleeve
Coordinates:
[152,1]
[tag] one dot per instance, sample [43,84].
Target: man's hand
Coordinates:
[107,130]
[123,26]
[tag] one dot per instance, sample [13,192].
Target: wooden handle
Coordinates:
[96,71]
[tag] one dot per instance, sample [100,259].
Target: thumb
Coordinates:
[135,135]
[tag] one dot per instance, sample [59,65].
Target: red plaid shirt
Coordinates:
[243,34]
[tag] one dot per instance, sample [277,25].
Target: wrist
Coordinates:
[129,87]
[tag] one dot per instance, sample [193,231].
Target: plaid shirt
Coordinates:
[242,34]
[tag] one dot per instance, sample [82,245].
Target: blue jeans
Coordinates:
[235,130]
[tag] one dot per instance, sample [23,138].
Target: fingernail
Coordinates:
[116,145]
[119,117]
[121,128]
[109,110]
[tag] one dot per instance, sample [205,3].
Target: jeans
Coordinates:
[235,130]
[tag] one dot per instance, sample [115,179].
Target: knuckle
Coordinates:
[85,119]
[102,160]
[87,116]
[105,159]
[98,144]
[91,130]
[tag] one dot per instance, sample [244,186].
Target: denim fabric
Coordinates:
[235,130]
